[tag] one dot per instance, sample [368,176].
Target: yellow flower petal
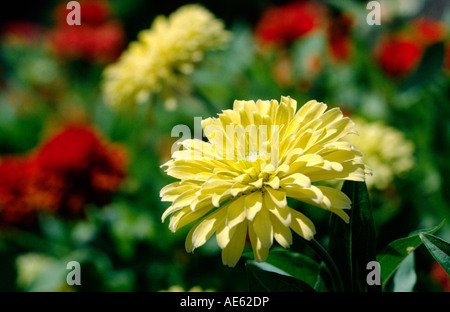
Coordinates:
[236,212]
[274,183]
[260,252]
[185,198]
[278,197]
[311,195]
[169,211]
[232,252]
[281,232]
[263,228]
[223,234]
[297,179]
[186,216]
[282,214]
[335,198]
[302,225]
[291,104]
[341,214]
[203,230]
[253,204]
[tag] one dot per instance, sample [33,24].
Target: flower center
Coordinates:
[252,156]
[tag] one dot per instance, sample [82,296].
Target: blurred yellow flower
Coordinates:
[177,288]
[386,151]
[259,154]
[29,266]
[158,61]
[35,272]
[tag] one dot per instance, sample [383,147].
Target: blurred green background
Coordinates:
[124,246]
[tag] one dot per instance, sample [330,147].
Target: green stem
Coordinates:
[150,111]
[329,262]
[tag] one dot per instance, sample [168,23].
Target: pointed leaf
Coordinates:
[261,280]
[391,256]
[352,245]
[293,264]
[439,249]
[323,282]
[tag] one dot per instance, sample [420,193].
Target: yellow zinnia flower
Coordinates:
[259,154]
[386,151]
[158,61]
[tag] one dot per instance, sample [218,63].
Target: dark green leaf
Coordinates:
[438,248]
[261,280]
[352,245]
[328,262]
[323,282]
[391,256]
[293,264]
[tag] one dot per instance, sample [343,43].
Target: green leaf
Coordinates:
[439,249]
[391,256]
[405,277]
[331,267]
[323,282]
[352,245]
[262,280]
[292,264]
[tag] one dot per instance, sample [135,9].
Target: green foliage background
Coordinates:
[125,246]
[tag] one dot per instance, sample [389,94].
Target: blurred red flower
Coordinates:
[93,12]
[339,40]
[91,168]
[284,24]
[21,32]
[398,55]
[428,31]
[439,275]
[102,43]
[26,190]
[99,37]
[73,168]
